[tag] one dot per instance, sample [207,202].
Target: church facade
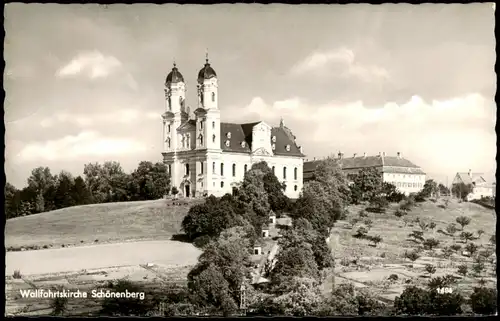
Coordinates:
[205,156]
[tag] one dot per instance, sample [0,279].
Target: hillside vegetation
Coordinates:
[97,223]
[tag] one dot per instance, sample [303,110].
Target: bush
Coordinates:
[441,282]
[484,301]
[431,269]
[430,243]
[376,239]
[59,304]
[455,247]
[361,232]
[399,213]
[466,236]
[393,277]
[368,222]
[462,270]
[363,213]
[412,256]
[451,229]
[202,241]
[471,248]
[463,221]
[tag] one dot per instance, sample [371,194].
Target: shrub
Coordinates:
[463,221]
[441,282]
[432,225]
[399,213]
[471,248]
[17,274]
[363,213]
[455,247]
[174,191]
[423,225]
[462,270]
[393,277]
[417,235]
[368,222]
[412,256]
[430,243]
[480,232]
[361,232]
[376,239]
[466,236]
[431,269]
[484,301]
[202,241]
[478,267]
[59,304]
[451,229]
[446,304]
[419,198]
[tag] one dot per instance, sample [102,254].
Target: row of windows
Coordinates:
[403,184]
[415,177]
[245,169]
[295,187]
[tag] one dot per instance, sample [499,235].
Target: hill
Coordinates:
[368,266]
[97,223]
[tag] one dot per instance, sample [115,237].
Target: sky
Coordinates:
[84,83]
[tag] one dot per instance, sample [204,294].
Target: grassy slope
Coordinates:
[110,222]
[395,241]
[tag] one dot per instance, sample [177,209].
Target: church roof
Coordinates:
[174,76]
[206,72]
[243,133]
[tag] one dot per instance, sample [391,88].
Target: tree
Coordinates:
[431,243]
[12,201]
[451,229]
[369,183]
[277,199]
[303,299]
[149,181]
[430,189]
[39,181]
[484,301]
[379,203]
[65,184]
[391,193]
[462,269]
[471,248]
[463,221]
[466,236]
[413,301]
[462,190]
[376,239]
[79,192]
[443,190]
[412,256]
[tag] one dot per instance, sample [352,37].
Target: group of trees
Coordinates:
[100,183]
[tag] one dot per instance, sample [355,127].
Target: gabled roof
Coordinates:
[469,179]
[243,133]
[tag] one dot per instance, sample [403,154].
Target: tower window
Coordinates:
[273,146]
[221,169]
[187,169]
[287,148]
[234,170]
[274,170]
[228,135]
[213,125]
[284,172]
[168,128]
[228,143]
[243,144]
[201,167]
[200,138]
[221,184]
[201,125]
[274,139]
[213,167]
[295,173]
[213,97]
[295,188]
[168,142]
[213,139]
[245,168]
[169,168]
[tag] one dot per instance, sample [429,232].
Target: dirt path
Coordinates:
[100,256]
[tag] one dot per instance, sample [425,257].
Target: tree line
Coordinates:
[101,183]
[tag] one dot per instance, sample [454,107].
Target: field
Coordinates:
[97,223]
[366,266]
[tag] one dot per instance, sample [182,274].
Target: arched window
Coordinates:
[200,139]
[245,168]
[213,167]
[221,184]
[168,128]
[221,169]
[213,139]
[274,170]
[168,142]
[295,173]
[213,97]
[213,125]
[169,168]
[295,188]
[234,170]
[187,169]
[201,124]
[201,167]
[284,172]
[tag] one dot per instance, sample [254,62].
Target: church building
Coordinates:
[205,156]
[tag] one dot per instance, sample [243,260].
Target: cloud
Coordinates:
[92,64]
[345,59]
[438,135]
[124,116]
[87,143]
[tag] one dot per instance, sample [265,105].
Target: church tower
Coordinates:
[175,114]
[208,113]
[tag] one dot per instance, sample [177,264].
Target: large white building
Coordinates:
[208,157]
[406,176]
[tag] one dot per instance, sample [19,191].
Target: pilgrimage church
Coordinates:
[208,157]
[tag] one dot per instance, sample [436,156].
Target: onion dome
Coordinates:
[174,76]
[206,72]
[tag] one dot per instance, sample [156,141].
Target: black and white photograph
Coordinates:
[250,160]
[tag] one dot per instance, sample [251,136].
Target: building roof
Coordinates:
[388,164]
[174,76]
[206,72]
[243,133]
[469,179]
